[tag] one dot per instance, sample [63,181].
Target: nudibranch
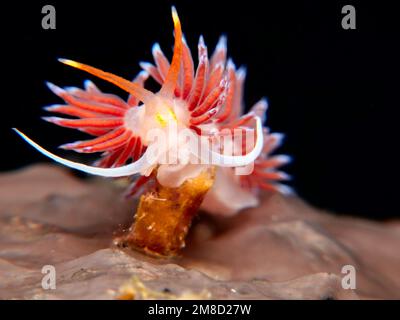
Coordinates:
[186,147]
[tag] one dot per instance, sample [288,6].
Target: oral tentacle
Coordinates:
[122,171]
[235,161]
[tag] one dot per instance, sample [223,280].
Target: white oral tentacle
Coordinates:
[143,163]
[126,170]
[235,161]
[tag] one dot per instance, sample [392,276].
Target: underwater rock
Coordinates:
[284,249]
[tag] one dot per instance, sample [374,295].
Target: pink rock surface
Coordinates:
[284,249]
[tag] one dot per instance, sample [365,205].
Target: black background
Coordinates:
[333,92]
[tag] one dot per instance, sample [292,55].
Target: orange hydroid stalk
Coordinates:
[164,215]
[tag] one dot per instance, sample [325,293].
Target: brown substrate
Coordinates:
[285,249]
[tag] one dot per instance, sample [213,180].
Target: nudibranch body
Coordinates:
[204,101]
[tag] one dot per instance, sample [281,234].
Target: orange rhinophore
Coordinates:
[187,146]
